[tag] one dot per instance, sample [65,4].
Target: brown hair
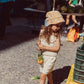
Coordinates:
[47,32]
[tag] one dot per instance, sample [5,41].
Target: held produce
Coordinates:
[39,59]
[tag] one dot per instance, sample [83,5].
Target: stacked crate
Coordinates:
[78,74]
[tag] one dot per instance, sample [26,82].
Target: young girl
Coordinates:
[49,44]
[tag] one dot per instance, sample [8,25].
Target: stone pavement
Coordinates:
[18,53]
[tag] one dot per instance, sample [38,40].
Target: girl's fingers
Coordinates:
[38,48]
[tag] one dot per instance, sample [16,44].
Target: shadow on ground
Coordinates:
[19,33]
[60,75]
[16,35]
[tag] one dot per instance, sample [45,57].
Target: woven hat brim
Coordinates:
[54,17]
[54,21]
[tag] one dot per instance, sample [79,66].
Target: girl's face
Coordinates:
[55,27]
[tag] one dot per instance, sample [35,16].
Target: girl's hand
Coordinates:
[38,48]
[38,43]
[41,47]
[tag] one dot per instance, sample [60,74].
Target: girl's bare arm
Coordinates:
[53,49]
[39,41]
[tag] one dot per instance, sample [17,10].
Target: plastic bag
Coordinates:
[73,34]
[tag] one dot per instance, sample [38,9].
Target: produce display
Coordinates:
[69,9]
[64,9]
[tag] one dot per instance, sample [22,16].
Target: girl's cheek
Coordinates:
[56,28]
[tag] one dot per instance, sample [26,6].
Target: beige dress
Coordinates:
[48,56]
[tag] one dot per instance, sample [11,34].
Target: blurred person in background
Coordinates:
[81,20]
[5,8]
[71,3]
[48,5]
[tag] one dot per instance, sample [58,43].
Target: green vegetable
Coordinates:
[79,9]
[70,9]
[36,77]
[39,55]
[63,9]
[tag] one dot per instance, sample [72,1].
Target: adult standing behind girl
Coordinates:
[49,44]
[5,7]
[81,19]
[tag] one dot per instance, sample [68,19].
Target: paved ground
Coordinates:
[18,53]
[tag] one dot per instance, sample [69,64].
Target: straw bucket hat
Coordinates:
[54,17]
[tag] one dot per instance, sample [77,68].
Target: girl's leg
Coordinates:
[42,78]
[74,19]
[50,78]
